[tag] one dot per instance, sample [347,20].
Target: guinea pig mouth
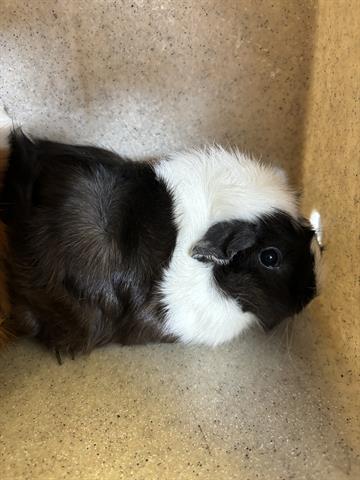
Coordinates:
[269,316]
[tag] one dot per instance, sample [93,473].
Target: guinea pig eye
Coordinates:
[270,257]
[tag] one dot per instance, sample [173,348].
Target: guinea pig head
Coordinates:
[268,265]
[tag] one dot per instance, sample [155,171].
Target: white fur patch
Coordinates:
[315,220]
[211,186]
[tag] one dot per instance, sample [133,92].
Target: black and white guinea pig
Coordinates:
[194,248]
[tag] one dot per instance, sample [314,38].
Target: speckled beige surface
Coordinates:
[250,410]
[281,80]
[147,77]
[331,170]
[331,179]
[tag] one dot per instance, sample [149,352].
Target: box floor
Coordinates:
[253,409]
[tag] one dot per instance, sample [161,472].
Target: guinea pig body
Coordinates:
[194,248]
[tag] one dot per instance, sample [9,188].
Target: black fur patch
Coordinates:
[90,234]
[271,294]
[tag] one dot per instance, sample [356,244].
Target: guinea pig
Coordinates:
[193,248]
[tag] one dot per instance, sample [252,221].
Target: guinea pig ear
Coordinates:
[223,241]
